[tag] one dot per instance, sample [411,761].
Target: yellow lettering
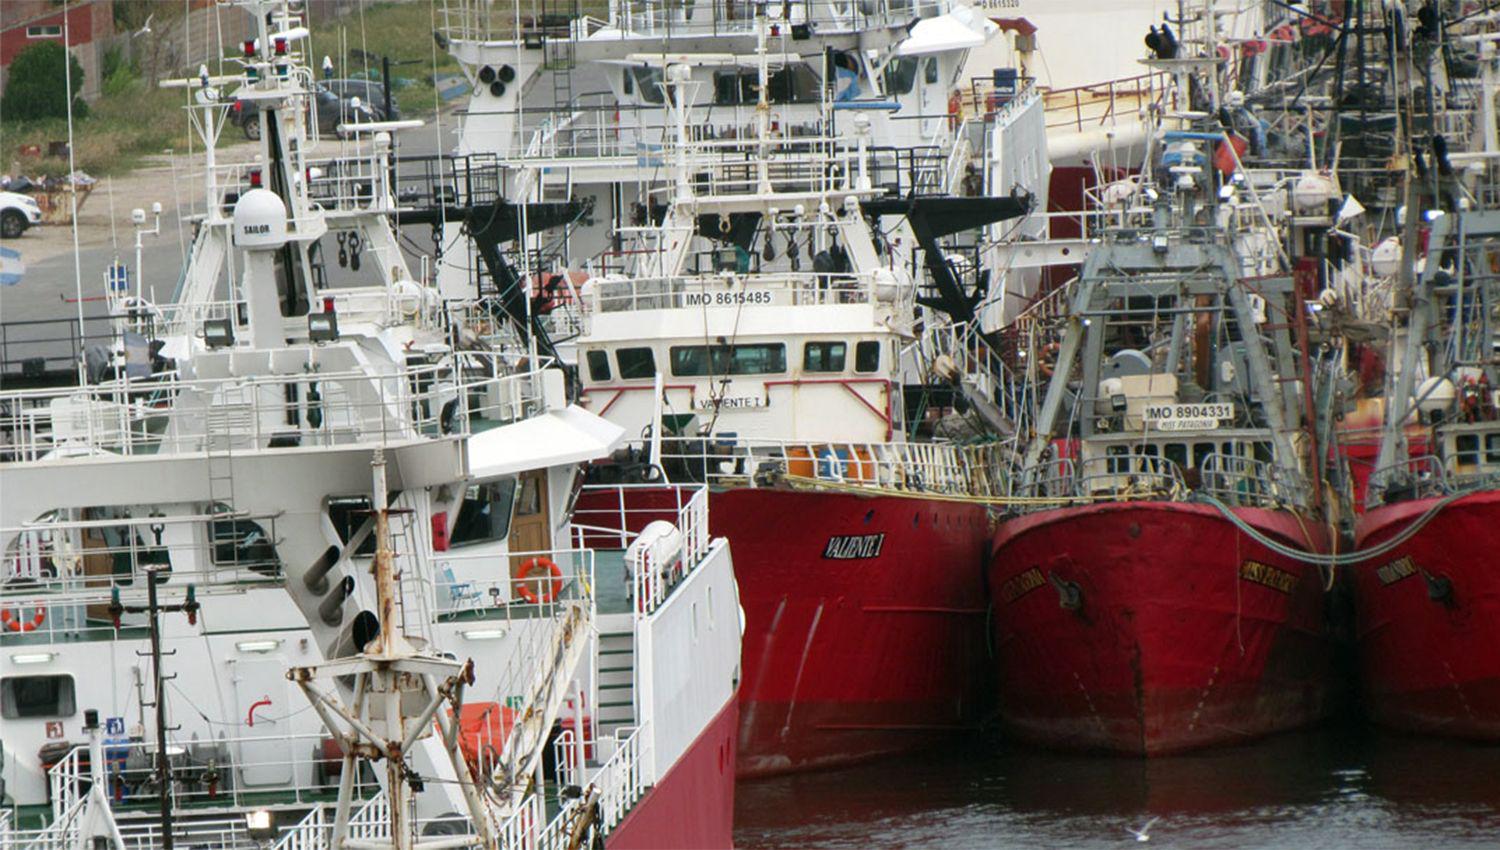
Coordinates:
[1269,576]
[1018,586]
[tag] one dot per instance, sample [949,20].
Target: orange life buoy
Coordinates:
[15,624]
[955,109]
[549,590]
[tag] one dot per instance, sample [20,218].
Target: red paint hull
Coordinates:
[1169,645]
[692,806]
[1430,661]
[852,658]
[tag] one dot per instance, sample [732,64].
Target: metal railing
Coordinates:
[470,392]
[779,289]
[510,598]
[1096,104]
[1139,475]
[483,21]
[1249,482]
[929,468]
[656,570]
[623,778]
[206,774]
[369,821]
[32,349]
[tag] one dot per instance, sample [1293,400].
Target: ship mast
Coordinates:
[398,696]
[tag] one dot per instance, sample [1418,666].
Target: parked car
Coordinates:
[332,111]
[369,92]
[17,213]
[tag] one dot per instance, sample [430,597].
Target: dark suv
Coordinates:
[369,92]
[332,111]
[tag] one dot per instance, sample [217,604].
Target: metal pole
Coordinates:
[163,767]
[385,73]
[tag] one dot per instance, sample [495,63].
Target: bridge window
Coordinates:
[636,363]
[598,365]
[867,356]
[22,697]
[1467,448]
[900,75]
[732,88]
[691,361]
[648,80]
[243,543]
[484,516]
[930,72]
[1492,448]
[823,357]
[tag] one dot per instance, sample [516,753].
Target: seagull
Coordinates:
[146,27]
[1140,834]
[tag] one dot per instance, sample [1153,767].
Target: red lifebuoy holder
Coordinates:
[548,589]
[15,624]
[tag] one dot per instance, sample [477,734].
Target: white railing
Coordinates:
[66,779]
[207,774]
[60,834]
[370,820]
[507,598]
[801,289]
[224,833]
[655,572]
[310,833]
[373,819]
[474,390]
[523,828]
[622,779]
[486,22]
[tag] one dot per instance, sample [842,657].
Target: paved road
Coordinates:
[38,316]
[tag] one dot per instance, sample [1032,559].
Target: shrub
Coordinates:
[38,87]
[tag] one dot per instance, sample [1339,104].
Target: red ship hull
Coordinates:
[1178,632]
[692,807]
[864,618]
[1431,659]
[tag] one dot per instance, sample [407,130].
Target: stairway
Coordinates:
[616,673]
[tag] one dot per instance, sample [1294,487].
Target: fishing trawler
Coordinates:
[1425,593]
[229,524]
[761,343]
[1151,590]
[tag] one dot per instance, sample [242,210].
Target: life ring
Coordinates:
[549,590]
[10,621]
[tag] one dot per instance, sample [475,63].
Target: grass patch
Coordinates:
[123,127]
[131,121]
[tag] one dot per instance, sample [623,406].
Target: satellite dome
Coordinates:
[260,220]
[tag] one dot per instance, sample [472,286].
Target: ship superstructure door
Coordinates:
[530,529]
[265,748]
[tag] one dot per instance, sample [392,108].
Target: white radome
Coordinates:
[260,220]
[1436,393]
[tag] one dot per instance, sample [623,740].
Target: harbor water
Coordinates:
[1338,786]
